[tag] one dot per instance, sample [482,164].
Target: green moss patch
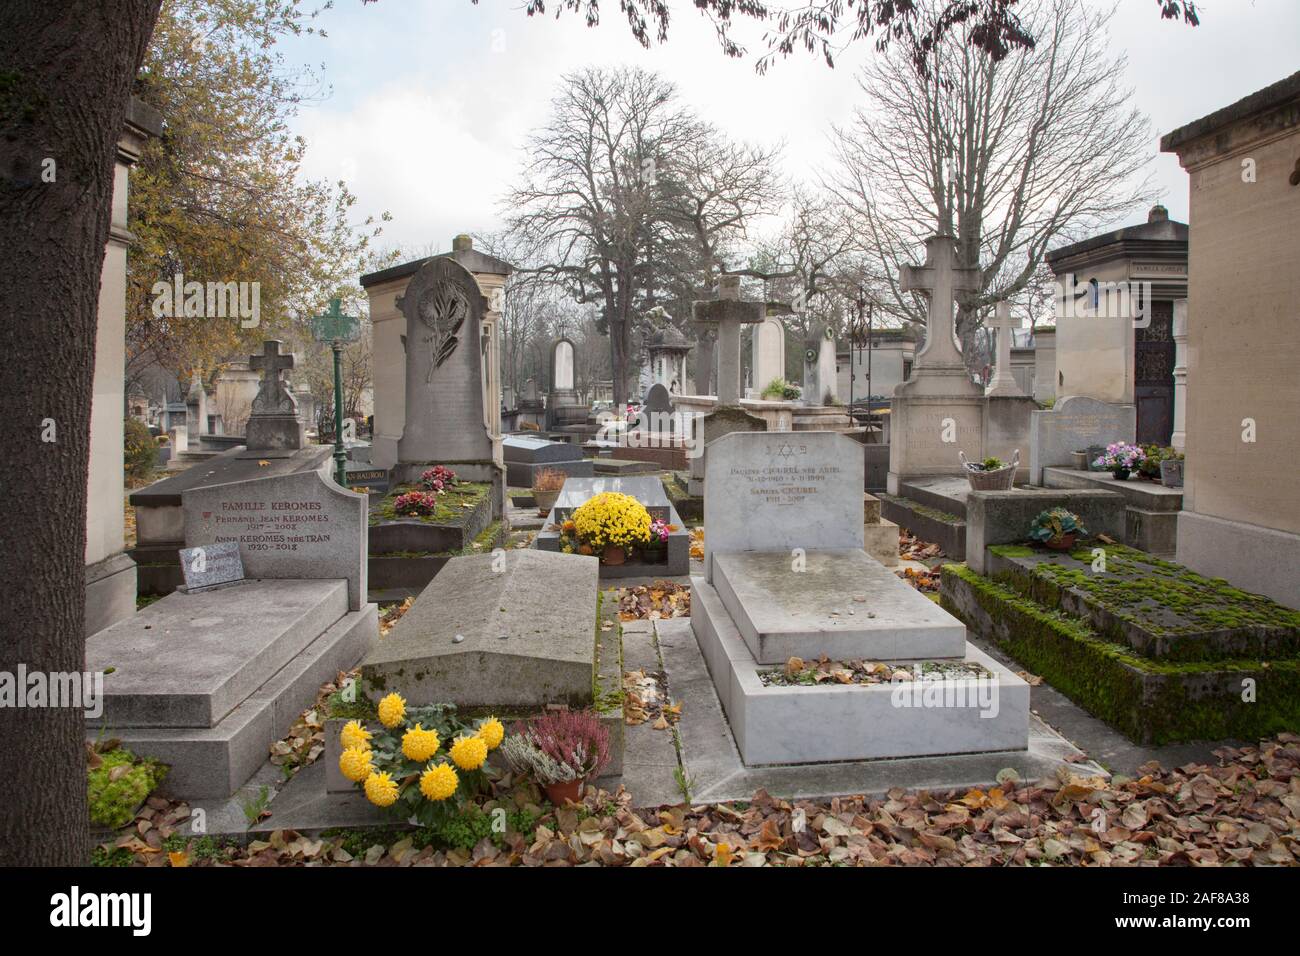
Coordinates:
[118,786]
[1157,607]
[455,505]
[1150,701]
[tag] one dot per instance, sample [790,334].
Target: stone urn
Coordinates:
[545,500]
[1171,472]
[1079,460]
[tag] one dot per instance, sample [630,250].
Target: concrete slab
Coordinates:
[844,604]
[713,764]
[190,659]
[775,724]
[214,762]
[944,492]
[526,623]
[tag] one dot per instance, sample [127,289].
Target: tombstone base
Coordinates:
[778,724]
[267,434]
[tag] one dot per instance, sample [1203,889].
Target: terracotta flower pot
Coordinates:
[1064,543]
[561,793]
[614,554]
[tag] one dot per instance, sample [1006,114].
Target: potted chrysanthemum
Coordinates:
[561,751]
[612,524]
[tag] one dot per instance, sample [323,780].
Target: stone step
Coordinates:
[214,762]
[780,725]
[188,660]
[942,493]
[945,529]
[843,603]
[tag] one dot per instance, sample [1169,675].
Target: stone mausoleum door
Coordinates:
[1153,376]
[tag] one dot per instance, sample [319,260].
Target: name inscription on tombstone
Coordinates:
[788,481]
[211,566]
[776,492]
[291,526]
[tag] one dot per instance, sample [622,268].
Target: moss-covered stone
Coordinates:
[454,504]
[1157,607]
[1150,701]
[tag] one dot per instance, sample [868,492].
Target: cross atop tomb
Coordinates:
[942,278]
[728,312]
[272,397]
[1003,382]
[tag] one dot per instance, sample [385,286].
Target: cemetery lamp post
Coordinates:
[337,329]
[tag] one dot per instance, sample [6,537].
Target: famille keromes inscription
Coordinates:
[288,526]
[776,491]
[271,525]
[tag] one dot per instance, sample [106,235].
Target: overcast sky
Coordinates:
[432,99]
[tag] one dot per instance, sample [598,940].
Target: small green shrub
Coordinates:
[780,389]
[139,449]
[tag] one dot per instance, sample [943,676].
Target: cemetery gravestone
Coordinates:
[938,410]
[445,418]
[806,487]
[290,526]
[206,680]
[274,428]
[1075,423]
[563,410]
[768,353]
[786,577]
[657,410]
[526,456]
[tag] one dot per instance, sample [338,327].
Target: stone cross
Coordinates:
[942,278]
[728,312]
[1003,382]
[272,397]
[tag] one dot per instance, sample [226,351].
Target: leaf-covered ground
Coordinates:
[1243,812]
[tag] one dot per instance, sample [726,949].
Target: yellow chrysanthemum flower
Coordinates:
[419,744]
[380,790]
[355,763]
[354,735]
[439,783]
[468,753]
[492,733]
[391,710]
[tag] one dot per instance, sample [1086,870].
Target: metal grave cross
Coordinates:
[334,326]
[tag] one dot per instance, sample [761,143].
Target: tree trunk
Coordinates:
[69,69]
[705,340]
